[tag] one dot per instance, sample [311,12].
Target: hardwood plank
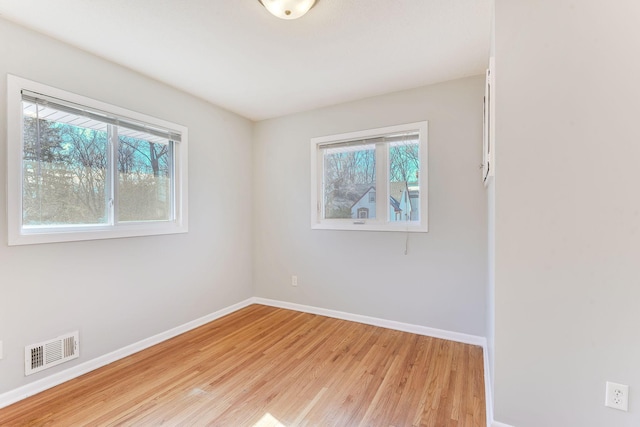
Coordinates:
[268,367]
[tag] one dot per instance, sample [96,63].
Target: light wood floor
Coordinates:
[267,367]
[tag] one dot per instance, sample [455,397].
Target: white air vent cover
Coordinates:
[50,353]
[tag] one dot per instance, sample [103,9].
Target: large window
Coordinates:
[80,169]
[371,180]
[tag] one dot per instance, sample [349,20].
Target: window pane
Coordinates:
[144,177]
[349,180]
[64,168]
[404,187]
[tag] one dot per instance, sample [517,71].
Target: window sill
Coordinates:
[351,225]
[94,232]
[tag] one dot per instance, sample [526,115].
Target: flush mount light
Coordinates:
[288,9]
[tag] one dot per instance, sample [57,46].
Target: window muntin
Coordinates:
[80,169]
[380,171]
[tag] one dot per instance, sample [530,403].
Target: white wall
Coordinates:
[117,292]
[441,283]
[567,295]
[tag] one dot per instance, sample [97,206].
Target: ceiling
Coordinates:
[234,54]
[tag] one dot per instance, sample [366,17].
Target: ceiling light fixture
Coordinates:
[288,9]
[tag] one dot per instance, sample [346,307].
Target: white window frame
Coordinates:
[19,235]
[382,222]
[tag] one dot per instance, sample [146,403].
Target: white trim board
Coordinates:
[404,327]
[58,378]
[488,389]
[53,380]
[374,321]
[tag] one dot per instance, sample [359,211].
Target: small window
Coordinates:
[377,175]
[80,169]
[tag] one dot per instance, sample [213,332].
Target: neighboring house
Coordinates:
[365,206]
[407,195]
[403,203]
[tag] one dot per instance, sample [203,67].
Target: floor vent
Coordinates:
[50,353]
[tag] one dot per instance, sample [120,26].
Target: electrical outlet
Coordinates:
[617,396]
[294,280]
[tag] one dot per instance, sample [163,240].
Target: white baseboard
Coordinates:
[389,324]
[58,378]
[38,386]
[405,327]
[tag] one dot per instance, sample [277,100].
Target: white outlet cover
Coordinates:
[617,396]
